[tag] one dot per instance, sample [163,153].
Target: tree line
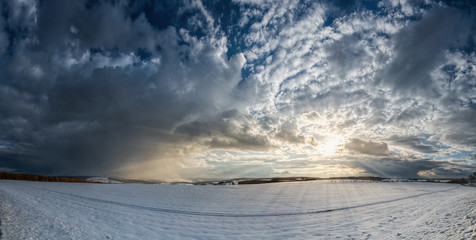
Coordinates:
[471,179]
[33,177]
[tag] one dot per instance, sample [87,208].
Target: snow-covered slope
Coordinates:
[103,180]
[310,210]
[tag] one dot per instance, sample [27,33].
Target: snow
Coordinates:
[300,210]
[103,180]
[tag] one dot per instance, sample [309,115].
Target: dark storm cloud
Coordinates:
[367,147]
[459,126]
[231,131]
[75,92]
[413,143]
[420,47]
[3,35]
[396,167]
[102,25]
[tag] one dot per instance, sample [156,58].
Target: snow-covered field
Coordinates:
[308,210]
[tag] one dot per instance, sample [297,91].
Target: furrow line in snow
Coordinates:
[238,215]
[2,213]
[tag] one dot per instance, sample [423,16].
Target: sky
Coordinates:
[238,88]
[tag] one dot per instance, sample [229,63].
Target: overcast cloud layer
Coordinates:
[222,89]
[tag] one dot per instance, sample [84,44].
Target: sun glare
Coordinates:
[331,146]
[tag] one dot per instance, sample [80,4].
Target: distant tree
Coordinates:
[472,178]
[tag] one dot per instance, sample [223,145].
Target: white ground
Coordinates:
[103,180]
[311,210]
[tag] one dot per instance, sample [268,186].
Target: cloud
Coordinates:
[412,143]
[419,49]
[446,172]
[369,148]
[289,132]
[99,105]
[471,157]
[458,131]
[102,25]
[232,130]
[124,88]
[397,166]
[3,37]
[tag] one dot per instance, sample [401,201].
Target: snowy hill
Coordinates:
[103,180]
[299,210]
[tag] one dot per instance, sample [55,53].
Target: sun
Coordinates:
[331,146]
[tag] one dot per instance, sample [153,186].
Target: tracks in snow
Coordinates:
[237,215]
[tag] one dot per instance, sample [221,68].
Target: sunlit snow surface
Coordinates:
[308,210]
